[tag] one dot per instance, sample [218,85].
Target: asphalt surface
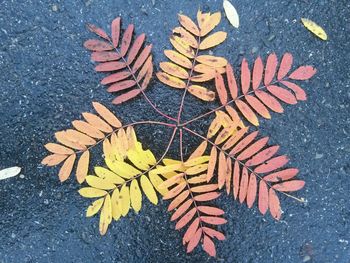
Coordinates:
[47,80]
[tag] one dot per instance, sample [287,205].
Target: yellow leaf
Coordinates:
[157,181]
[231,13]
[138,159]
[177,58]
[177,178]
[131,137]
[314,28]
[168,161]
[197,160]
[83,166]
[115,144]
[108,175]
[171,81]
[174,70]
[167,168]
[107,149]
[151,160]
[148,189]
[91,192]
[99,183]
[213,40]
[94,207]
[209,23]
[214,127]
[116,213]
[198,179]
[182,47]
[122,169]
[197,169]
[123,142]
[187,23]
[106,215]
[135,196]
[124,200]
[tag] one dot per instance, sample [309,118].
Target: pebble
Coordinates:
[318,156]
[54,8]
[21,176]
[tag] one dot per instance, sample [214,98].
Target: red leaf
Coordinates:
[245,76]
[181,210]
[270,68]
[104,56]
[126,96]
[122,85]
[263,197]
[274,204]
[115,31]
[286,65]
[253,149]
[194,240]
[243,188]
[185,219]
[110,66]
[258,106]
[208,246]
[228,174]
[213,220]
[115,77]
[231,81]
[212,163]
[282,94]
[134,50]
[257,73]
[207,196]
[236,176]
[299,92]
[191,230]
[142,58]
[97,45]
[126,40]
[252,187]
[211,210]
[98,31]
[263,156]
[222,170]
[234,138]
[214,233]
[282,175]
[303,73]
[289,186]
[247,112]
[269,101]
[272,164]
[221,89]
[244,143]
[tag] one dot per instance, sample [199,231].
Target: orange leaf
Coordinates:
[243,188]
[244,143]
[209,70]
[274,204]
[209,210]
[214,233]
[181,210]
[58,149]
[258,106]
[107,115]
[282,175]
[207,196]
[97,122]
[270,68]
[203,77]
[212,163]
[236,176]
[245,76]
[185,219]
[53,159]
[79,137]
[269,101]
[253,149]
[187,23]
[182,47]
[263,197]
[210,23]
[252,187]
[199,151]
[263,156]
[186,36]
[247,112]
[231,81]
[213,220]
[303,73]
[208,246]
[285,66]
[178,58]
[289,186]
[201,92]
[191,230]
[63,138]
[299,92]
[88,129]
[257,73]
[213,40]
[66,168]
[178,200]
[222,170]
[171,81]
[83,166]
[216,62]
[175,191]
[204,188]
[282,94]
[221,89]
[272,164]
[174,70]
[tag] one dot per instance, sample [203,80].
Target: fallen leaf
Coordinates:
[9,172]
[231,13]
[314,28]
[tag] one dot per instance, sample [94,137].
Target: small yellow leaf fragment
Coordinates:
[116,213]
[124,200]
[314,28]
[90,192]
[135,195]
[106,215]
[148,189]
[94,207]
[231,13]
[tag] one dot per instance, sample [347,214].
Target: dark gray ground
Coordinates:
[47,80]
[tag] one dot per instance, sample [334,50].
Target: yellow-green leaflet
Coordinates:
[108,175]
[314,28]
[99,183]
[148,189]
[124,202]
[116,212]
[91,192]
[231,13]
[106,215]
[122,169]
[135,196]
